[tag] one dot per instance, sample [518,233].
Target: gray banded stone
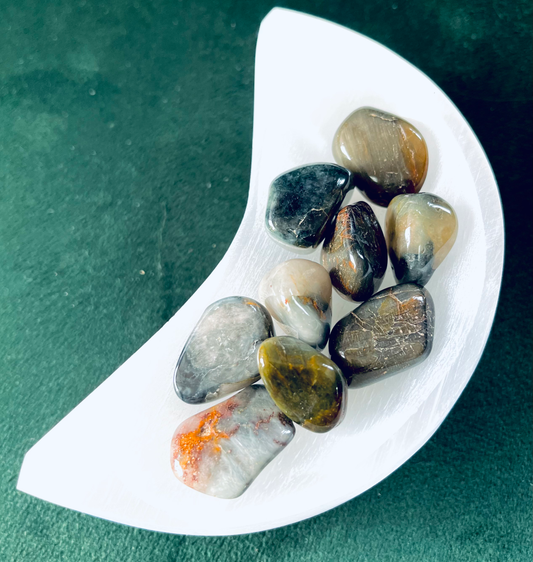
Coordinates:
[220,355]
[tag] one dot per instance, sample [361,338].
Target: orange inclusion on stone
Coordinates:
[189,446]
[313,303]
[345,225]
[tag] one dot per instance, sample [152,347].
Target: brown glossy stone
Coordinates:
[355,252]
[387,155]
[390,332]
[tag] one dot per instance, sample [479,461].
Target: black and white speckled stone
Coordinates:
[303,201]
[220,355]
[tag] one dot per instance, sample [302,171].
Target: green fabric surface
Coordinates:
[125,147]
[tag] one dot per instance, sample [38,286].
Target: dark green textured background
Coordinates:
[116,120]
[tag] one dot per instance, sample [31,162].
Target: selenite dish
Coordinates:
[80,463]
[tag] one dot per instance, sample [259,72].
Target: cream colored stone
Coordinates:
[297,293]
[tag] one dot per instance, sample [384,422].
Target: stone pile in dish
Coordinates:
[221,450]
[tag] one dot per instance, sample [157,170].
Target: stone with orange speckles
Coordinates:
[221,451]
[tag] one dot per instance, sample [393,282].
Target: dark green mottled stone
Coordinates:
[305,385]
[355,252]
[390,332]
[303,201]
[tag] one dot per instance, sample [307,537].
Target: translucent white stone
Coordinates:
[220,356]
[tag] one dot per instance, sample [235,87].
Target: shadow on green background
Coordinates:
[125,146]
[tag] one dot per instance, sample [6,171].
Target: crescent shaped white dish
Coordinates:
[110,456]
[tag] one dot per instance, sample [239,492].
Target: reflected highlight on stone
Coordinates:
[220,355]
[355,252]
[298,295]
[221,451]
[390,332]
[387,155]
[306,385]
[302,202]
[421,230]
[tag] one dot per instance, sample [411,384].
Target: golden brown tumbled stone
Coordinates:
[421,230]
[387,155]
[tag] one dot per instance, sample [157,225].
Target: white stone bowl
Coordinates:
[310,74]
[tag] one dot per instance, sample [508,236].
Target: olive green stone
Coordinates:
[305,385]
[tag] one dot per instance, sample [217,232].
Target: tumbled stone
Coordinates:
[221,451]
[305,385]
[220,355]
[390,332]
[355,252]
[387,155]
[298,295]
[421,230]
[301,202]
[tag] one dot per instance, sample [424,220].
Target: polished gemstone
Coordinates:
[220,356]
[306,386]
[221,451]
[355,252]
[387,155]
[421,230]
[301,203]
[389,332]
[298,295]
